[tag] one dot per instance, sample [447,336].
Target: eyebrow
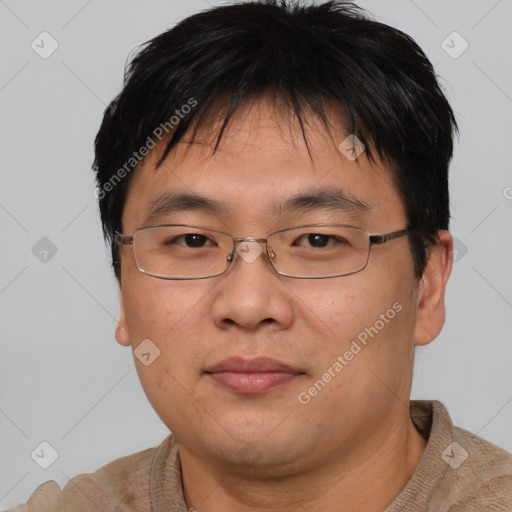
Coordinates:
[327,198]
[319,199]
[181,202]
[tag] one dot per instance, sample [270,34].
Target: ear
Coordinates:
[122,334]
[430,310]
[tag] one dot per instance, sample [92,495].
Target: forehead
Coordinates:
[261,166]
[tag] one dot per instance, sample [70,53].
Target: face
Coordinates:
[345,344]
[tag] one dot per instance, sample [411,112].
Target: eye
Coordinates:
[319,240]
[191,240]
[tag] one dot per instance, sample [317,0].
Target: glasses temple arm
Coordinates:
[123,240]
[382,239]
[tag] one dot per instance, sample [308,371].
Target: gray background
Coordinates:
[64,379]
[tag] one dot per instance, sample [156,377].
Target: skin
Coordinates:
[356,434]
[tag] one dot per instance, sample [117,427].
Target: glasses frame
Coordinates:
[373,239]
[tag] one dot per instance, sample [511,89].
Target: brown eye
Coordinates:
[319,240]
[192,240]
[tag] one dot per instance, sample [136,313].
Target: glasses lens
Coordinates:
[319,251]
[181,251]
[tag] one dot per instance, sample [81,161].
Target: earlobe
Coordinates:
[122,334]
[430,311]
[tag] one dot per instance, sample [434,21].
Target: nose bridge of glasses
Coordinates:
[250,248]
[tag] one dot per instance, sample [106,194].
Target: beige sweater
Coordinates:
[458,472]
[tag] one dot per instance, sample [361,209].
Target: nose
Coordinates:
[251,293]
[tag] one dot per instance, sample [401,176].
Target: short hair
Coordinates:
[310,57]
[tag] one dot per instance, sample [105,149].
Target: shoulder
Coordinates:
[472,474]
[458,472]
[120,485]
[480,472]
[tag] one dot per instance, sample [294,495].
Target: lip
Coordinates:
[252,376]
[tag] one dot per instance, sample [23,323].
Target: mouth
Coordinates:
[252,376]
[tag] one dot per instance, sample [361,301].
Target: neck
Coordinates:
[369,477]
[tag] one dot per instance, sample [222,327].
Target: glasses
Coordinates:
[314,251]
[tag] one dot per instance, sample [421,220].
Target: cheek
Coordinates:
[359,319]
[339,308]
[166,313]
[158,308]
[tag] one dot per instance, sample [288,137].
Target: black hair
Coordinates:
[310,56]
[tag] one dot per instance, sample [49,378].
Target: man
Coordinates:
[273,183]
